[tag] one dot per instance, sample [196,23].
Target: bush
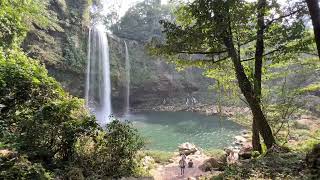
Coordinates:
[111,153]
[22,168]
[51,134]
[38,116]
[53,130]
[24,88]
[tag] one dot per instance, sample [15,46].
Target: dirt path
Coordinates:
[172,171]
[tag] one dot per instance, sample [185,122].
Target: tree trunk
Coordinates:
[314,10]
[258,70]
[246,89]
[256,145]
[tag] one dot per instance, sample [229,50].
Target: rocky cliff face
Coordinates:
[153,81]
[62,48]
[62,45]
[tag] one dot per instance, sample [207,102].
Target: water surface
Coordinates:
[166,130]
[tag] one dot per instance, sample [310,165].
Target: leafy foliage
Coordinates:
[199,38]
[22,168]
[111,153]
[15,19]
[53,130]
[141,22]
[24,88]
[271,166]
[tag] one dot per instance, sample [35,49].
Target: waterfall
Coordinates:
[98,85]
[128,68]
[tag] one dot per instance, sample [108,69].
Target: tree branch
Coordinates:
[266,54]
[201,52]
[281,17]
[213,52]
[212,61]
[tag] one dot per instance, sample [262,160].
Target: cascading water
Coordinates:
[128,68]
[98,85]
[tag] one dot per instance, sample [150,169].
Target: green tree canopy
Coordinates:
[141,22]
[238,36]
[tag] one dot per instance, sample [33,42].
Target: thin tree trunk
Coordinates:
[256,145]
[314,10]
[258,70]
[248,92]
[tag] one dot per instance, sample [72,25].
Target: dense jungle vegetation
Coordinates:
[261,54]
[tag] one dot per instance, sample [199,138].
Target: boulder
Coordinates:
[213,164]
[245,152]
[232,157]
[148,162]
[192,178]
[7,154]
[187,149]
[240,140]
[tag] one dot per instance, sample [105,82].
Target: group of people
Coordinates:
[183,163]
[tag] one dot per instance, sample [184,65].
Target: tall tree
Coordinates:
[234,33]
[314,10]
[261,8]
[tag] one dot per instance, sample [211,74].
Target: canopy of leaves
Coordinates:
[200,28]
[16,17]
[141,22]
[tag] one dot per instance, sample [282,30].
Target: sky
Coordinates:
[126,4]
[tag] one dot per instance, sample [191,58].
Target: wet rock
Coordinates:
[187,149]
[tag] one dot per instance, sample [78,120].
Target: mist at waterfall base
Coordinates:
[165,131]
[98,84]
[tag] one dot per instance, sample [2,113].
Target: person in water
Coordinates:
[182,164]
[190,164]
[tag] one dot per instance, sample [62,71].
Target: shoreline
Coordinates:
[206,109]
[237,114]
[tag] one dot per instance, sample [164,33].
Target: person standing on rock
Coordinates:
[182,163]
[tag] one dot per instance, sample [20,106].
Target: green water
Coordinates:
[166,130]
